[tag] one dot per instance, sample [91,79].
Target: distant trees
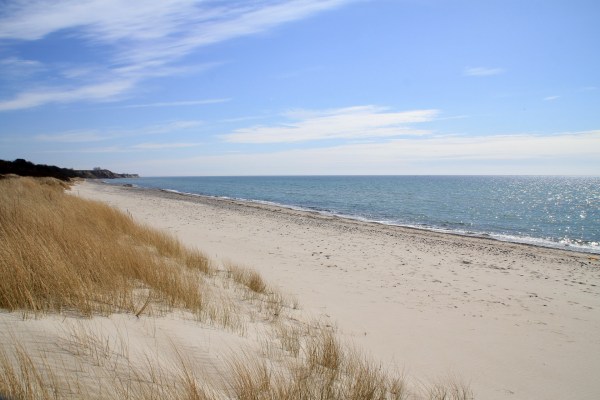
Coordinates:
[26,168]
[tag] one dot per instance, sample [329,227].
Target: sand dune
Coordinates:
[514,321]
[96,306]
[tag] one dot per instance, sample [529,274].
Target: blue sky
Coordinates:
[285,87]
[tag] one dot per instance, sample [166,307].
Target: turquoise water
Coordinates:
[561,212]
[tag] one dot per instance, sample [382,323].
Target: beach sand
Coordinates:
[513,321]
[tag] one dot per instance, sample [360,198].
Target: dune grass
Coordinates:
[60,254]
[324,369]
[249,278]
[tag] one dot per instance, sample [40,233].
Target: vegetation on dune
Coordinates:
[62,254]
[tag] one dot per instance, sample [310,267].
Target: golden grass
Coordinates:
[326,370]
[248,278]
[22,378]
[60,252]
[451,389]
[63,254]
[27,375]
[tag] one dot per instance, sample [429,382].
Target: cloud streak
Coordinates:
[551,98]
[441,155]
[344,123]
[108,134]
[482,71]
[146,39]
[162,146]
[179,103]
[94,92]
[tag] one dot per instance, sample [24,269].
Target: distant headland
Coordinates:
[26,168]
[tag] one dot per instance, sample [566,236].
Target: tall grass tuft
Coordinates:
[248,278]
[59,252]
[325,370]
[21,378]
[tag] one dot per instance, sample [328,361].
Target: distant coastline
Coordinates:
[23,167]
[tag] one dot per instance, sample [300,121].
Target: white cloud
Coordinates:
[482,71]
[72,137]
[167,127]
[95,136]
[102,20]
[15,67]
[344,123]
[204,26]
[98,92]
[499,147]
[179,103]
[89,150]
[20,63]
[516,154]
[161,146]
[147,38]
[550,98]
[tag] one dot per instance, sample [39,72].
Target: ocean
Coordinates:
[559,212]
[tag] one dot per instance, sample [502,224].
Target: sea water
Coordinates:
[562,212]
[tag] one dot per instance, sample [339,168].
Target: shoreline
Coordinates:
[514,320]
[327,214]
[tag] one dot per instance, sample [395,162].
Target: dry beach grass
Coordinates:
[98,306]
[60,252]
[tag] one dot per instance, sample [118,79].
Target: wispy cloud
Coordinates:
[144,39]
[161,146]
[72,137]
[179,103]
[482,71]
[344,123]
[432,154]
[136,148]
[551,98]
[107,134]
[15,67]
[98,92]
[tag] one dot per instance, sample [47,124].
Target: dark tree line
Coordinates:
[26,168]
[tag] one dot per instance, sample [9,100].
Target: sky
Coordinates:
[302,87]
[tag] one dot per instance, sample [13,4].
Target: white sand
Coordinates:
[515,321]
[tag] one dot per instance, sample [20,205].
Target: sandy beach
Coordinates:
[513,321]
